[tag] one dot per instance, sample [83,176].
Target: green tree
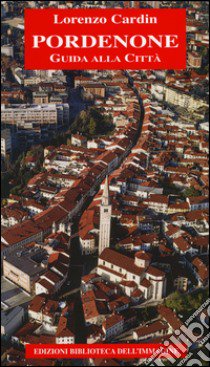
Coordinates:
[92,126]
[92,123]
[16,190]
[191,192]
[5,178]
[187,303]
[4,202]
[176,301]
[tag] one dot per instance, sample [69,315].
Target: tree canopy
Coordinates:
[191,192]
[187,303]
[92,123]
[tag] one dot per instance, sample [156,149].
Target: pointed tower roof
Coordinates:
[105,196]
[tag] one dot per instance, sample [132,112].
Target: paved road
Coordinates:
[12,295]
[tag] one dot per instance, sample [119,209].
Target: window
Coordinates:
[134,278]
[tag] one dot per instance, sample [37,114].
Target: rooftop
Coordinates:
[125,262]
[29,260]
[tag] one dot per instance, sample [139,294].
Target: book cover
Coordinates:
[105,191]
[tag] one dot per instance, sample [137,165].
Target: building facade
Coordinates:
[20,115]
[6,142]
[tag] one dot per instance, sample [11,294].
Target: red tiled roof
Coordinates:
[137,293]
[89,277]
[155,272]
[153,328]
[94,308]
[182,244]
[124,262]
[63,330]
[37,303]
[170,316]
[52,276]
[143,255]
[201,268]
[111,321]
[146,283]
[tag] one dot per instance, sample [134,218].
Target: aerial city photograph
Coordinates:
[104,199]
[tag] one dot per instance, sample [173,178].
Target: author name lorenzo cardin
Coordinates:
[115,19]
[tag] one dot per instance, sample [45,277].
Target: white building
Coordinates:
[179,97]
[6,142]
[119,268]
[7,50]
[20,115]
[105,219]
[113,326]
[88,244]
[150,331]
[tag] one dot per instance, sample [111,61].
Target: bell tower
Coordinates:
[105,219]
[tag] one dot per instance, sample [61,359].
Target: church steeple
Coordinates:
[105,197]
[105,218]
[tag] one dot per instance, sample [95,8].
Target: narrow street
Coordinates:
[82,265]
